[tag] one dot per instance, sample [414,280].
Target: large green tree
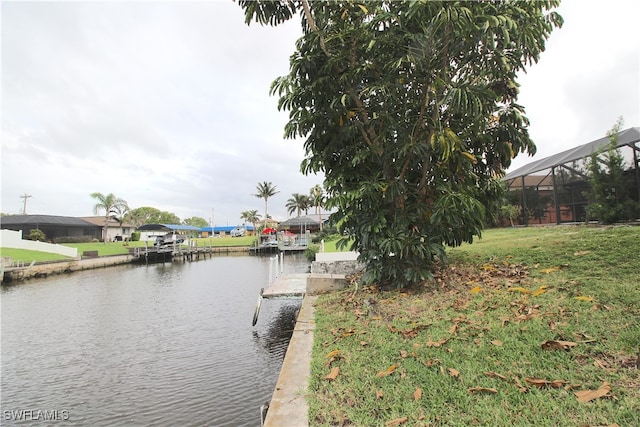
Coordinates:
[143,215]
[409,108]
[265,190]
[612,187]
[196,221]
[112,206]
[149,215]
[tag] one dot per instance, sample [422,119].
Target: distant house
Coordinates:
[300,224]
[54,227]
[225,230]
[115,230]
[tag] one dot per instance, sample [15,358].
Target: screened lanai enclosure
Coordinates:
[557,189]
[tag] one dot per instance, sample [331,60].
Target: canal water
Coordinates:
[157,345]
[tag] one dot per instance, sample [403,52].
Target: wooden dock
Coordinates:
[168,254]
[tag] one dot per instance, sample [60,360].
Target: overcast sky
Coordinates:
[166,104]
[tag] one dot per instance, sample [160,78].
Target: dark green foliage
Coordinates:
[196,221]
[135,236]
[310,252]
[73,239]
[409,109]
[37,234]
[324,234]
[612,188]
[149,215]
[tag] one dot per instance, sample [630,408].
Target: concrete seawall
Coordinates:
[289,407]
[60,267]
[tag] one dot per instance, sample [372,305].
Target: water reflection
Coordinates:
[165,344]
[280,327]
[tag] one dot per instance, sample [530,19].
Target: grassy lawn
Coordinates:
[528,326]
[330,245]
[116,248]
[26,256]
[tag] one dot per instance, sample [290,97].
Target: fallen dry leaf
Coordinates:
[519,289]
[333,353]
[454,372]
[397,421]
[558,345]
[497,343]
[589,395]
[550,270]
[408,333]
[333,374]
[521,388]
[584,298]
[541,290]
[476,290]
[417,395]
[580,253]
[388,372]
[481,390]
[379,394]
[541,383]
[454,329]
[496,375]
[431,362]
[436,343]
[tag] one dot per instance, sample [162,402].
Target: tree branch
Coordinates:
[313,26]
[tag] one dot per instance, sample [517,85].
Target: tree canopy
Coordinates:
[611,197]
[409,108]
[298,203]
[251,216]
[196,221]
[150,215]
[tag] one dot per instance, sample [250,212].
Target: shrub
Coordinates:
[135,236]
[325,234]
[612,188]
[37,235]
[73,239]
[311,251]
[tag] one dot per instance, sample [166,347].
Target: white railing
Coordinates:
[276,265]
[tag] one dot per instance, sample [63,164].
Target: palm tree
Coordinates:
[265,190]
[298,202]
[112,205]
[251,216]
[317,200]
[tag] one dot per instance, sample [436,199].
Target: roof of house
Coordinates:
[41,220]
[300,221]
[168,227]
[534,181]
[99,220]
[226,228]
[626,137]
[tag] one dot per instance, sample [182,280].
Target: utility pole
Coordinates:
[25,196]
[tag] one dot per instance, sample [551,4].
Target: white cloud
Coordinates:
[588,77]
[166,104]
